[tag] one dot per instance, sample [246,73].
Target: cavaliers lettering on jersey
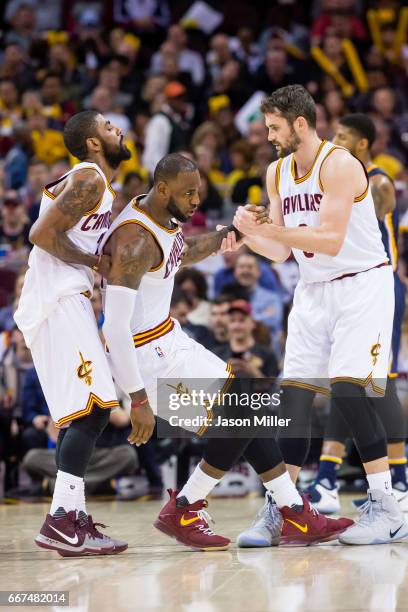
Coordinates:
[389,226]
[151,317]
[48,278]
[301,198]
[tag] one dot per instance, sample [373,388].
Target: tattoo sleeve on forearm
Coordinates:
[200,247]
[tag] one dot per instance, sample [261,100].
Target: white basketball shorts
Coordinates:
[341,330]
[70,361]
[175,363]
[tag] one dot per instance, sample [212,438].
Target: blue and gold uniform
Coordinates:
[389,233]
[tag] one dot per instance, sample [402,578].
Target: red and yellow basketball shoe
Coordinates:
[188,523]
[304,525]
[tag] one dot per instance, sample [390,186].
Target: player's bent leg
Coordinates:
[381,519]
[75,447]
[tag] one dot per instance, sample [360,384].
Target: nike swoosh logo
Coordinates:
[303,528]
[184,522]
[67,538]
[392,533]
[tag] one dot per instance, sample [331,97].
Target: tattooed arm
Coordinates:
[80,193]
[383,195]
[133,251]
[200,247]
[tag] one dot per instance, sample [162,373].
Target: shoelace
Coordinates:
[92,529]
[367,512]
[268,514]
[205,516]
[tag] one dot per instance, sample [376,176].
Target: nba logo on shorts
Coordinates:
[159,351]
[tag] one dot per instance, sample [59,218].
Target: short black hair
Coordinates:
[76,131]
[362,125]
[196,277]
[291,102]
[171,165]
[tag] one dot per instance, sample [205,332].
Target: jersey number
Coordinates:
[305,253]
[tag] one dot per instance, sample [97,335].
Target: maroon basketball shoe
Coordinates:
[188,523]
[64,533]
[92,531]
[304,525]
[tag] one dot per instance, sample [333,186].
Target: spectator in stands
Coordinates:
[180,309]
[266,304]
[35,415]
[37,177]
[113,456]
[48,143]
[6,313]
[167,130]
[193,283]
[23,26]
[14,230]
[188,60]
[54,106]
[17,159]
[219,320]
[16,67]
[248,359]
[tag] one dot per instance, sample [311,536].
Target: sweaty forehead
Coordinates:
[186,181]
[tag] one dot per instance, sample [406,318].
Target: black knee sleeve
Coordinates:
[391,413]
[362,418]
[294,440]
[337,428]
[263,454]
[78,442]
[223,453]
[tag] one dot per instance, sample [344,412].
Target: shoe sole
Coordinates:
[311,540]
[252,543]
[164,528]
[402,540]
[66,551]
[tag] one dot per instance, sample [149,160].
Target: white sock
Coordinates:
[284,491]
[380,481]
[66,492]
[198,486]
[80,501]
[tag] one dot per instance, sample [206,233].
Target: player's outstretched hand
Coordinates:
[245,221]
[261,213]
[143,421]
[104,265]
[230,242]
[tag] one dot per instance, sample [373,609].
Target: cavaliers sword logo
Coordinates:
[85,370]
[375,350]
[180,389]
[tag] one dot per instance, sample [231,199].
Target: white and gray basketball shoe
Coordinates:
[266,528]
[381,521]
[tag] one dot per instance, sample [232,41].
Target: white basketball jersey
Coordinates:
[48,278]
[301,196]
[151,317]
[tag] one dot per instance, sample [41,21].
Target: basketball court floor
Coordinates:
[156,573]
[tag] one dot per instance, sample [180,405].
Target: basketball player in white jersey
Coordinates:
[147,347]
[339,330]
[57,320]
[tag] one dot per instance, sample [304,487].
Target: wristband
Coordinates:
[138,404]
[95,268]
[238,234]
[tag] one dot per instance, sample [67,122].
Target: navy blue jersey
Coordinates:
[388,227]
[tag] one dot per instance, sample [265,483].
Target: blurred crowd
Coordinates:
[175,76]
